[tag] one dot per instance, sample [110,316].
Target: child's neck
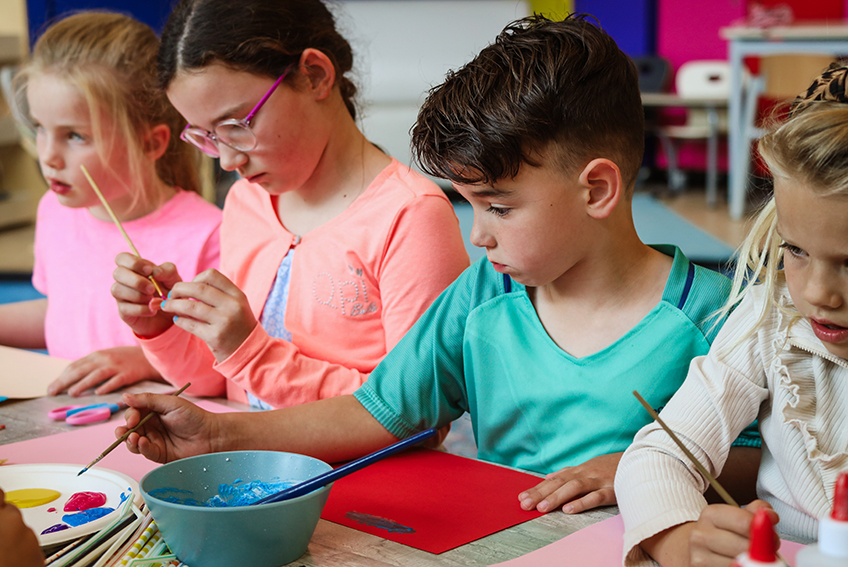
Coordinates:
[348,166]
[599,300]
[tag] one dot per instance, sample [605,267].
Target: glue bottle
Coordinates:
[832,548]
[762,551]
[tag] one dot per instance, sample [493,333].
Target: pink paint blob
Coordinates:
[84,501]
[51,509]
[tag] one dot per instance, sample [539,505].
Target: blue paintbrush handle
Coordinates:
[330,476]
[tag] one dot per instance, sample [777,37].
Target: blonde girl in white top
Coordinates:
[781,357]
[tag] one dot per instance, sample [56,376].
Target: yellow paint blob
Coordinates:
[31,497]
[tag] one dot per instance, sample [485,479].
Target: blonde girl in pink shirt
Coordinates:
[331,249]
[91,99]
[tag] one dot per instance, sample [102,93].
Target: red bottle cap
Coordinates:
[840,498]
[763,546]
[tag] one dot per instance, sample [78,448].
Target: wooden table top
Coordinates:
[333,544]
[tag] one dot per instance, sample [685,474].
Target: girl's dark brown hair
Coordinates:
[561,87]
[263,37]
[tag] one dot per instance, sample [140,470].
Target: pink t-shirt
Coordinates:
[75,258]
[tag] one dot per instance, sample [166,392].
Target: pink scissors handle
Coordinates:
[89,416]
[62,412]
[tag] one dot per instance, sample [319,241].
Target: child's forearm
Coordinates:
[333,430]
[22,324]
[670,548]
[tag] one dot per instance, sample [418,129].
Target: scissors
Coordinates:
[80,415]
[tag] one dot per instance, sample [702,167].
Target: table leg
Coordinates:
[736,179]
[712,158]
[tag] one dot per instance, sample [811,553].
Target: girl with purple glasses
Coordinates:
[331,249]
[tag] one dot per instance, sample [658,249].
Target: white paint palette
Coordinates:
[63,479]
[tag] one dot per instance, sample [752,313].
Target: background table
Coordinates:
[332,544]
[744,42]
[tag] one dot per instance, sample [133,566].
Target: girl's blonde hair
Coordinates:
[111,59]
[810,148]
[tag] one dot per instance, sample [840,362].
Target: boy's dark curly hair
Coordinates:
[543,85]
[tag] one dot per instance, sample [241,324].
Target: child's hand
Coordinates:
[18,542]
[576,489]
[111,368]
[179,429]
[138,301]
[213,309]
[721,533]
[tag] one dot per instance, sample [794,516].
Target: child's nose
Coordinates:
[480,236]
[50,155]
[231,159]
[821,290]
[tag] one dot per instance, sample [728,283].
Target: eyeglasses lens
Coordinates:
[200,141]
[237,136]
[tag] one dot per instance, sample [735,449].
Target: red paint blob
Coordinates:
[84,501]
[51,509]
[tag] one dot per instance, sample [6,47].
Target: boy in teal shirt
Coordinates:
[543,341]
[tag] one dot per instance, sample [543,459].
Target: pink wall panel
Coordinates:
[688,29]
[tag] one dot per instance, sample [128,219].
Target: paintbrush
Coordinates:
[127,434]
[118,224]
[728,499]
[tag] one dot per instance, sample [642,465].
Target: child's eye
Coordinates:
[498,211]
[76,137]
[794,250]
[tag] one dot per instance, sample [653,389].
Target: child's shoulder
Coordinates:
[699,293]
[187,207]
[401,182]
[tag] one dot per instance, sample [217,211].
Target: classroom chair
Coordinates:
[698,80]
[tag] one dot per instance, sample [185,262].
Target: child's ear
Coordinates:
[156,141]
[602,178]
[318,68]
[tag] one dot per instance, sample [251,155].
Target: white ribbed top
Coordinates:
[782,375]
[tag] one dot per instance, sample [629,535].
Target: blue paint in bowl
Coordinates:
[267,535]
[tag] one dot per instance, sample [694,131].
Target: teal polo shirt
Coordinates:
[481,348]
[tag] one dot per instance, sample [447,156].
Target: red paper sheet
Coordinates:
[447,500]
[83,445]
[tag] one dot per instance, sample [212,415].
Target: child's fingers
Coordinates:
[709,545]
[130,286]
[217,280]
[604,496]
[728,518]
[574,495]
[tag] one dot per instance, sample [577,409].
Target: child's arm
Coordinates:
[333,430]
[18,542]
[719,535]
[105,370]
[22,324]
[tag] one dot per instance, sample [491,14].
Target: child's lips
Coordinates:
[829,332]
[59,188]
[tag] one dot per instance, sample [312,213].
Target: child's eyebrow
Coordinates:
[491,192]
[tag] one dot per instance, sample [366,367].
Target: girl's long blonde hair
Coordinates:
[111,59]
[810,147]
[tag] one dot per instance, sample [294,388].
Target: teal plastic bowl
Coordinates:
[267,535]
